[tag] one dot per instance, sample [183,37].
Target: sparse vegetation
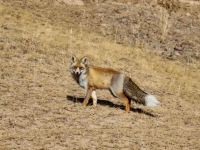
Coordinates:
[36,43]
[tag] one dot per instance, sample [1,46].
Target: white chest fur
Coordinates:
[83,81]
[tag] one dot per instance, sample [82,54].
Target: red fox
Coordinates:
[120,85]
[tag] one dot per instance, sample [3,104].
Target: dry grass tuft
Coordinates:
[170,5]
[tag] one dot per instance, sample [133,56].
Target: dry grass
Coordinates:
[34,83]
[170,5]
[164,23]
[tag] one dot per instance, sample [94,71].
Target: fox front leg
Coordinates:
[94,98]
[87,97]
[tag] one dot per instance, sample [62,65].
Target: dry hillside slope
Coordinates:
[40,104]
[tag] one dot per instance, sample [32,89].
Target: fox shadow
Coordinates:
[104,102]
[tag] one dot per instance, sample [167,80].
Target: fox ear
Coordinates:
[73,59]
[85,60]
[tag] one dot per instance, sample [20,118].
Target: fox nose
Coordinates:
[77,71]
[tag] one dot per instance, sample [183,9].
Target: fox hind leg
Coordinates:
[126,101]
[117,89]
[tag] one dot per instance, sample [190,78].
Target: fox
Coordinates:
[92,78]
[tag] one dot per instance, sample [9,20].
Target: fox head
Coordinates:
[79,66]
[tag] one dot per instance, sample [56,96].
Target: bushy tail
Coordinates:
[132,91]
[151,101]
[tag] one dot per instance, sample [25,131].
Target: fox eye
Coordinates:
[81,68]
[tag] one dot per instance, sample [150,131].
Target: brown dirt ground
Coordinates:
[40,105]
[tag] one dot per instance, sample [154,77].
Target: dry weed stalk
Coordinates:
[164,23]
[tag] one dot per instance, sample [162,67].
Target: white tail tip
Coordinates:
[151,101]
